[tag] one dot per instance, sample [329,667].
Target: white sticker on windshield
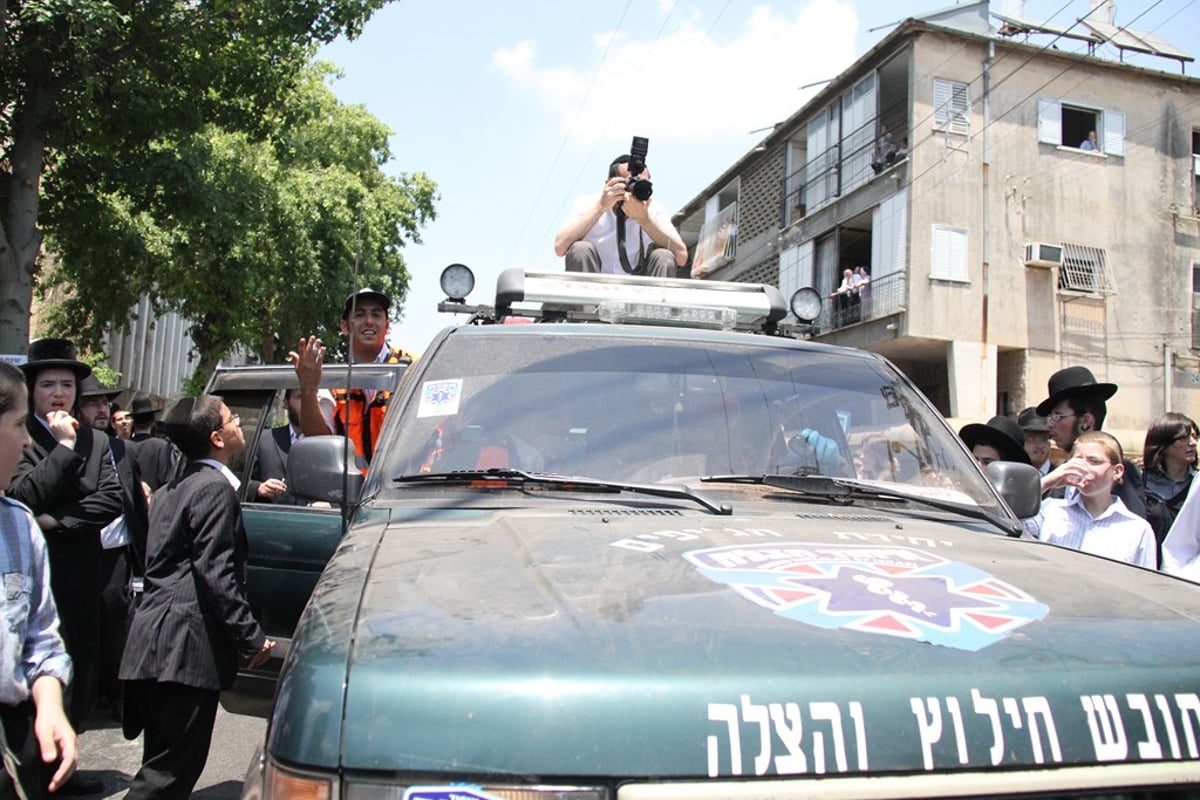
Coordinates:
[439,398]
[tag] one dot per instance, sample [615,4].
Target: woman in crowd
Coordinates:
[1170,462]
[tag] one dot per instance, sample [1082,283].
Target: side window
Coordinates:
[1196,306]
[951,106]
[1081,127]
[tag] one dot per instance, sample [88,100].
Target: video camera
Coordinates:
[640,188]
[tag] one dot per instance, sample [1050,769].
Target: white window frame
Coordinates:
[951,106]
[949,256]
[1110,125]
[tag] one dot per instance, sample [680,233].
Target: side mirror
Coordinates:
[324,468]
[1019,484]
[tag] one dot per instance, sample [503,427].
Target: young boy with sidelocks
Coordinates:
[1092,519]
[36,666]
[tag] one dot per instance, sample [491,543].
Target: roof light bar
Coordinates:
[641,299]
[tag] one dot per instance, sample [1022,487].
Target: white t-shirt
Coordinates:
[604,233]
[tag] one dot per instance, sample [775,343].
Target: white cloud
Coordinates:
[687,84]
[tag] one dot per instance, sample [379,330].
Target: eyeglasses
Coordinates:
[1058,416]
[1186,437]
[234,420]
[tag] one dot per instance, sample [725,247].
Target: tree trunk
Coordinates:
[20,239]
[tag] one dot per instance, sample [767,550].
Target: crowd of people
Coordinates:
[128,552]
[1095,499]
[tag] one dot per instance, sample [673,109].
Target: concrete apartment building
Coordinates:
[999,247]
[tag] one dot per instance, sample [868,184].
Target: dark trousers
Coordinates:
[114,623]
[76,584]
[178,724]
[17,722]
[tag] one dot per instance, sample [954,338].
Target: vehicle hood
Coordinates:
[581,640]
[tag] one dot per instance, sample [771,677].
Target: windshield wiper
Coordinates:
[844,491]
[516,477]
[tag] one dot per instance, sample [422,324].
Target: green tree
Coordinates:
[84,80]
[255,240]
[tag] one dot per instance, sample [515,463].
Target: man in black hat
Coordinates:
[1076,405]
[1000,439]
[357,413]
[67,479]
[1036,429]
[123,540]
[157,459]
[590,242]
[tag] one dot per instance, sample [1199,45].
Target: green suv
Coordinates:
[651,546]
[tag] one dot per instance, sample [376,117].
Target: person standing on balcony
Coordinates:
[589,240]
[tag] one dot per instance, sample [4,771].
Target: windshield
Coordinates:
[658,409]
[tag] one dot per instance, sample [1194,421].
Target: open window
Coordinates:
[1070,125]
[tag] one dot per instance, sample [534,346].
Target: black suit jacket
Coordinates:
[133,499]
[194,619]
[158,459]
[272,463]
[78,487]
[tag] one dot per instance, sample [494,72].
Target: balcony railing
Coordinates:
[718,240]
[880,297]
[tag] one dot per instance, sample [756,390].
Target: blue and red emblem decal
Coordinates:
[890,591]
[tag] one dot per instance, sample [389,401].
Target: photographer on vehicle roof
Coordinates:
[623,231]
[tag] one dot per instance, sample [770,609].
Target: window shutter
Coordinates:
[1114,133]
[1049,121]
[949,261]
[889,229]
[951,106]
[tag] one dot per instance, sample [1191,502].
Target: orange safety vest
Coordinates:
[359,420]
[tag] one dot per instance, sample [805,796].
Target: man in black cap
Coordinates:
[1000,439]
[1076,405]
[67,479]
[357,413]
[590,241]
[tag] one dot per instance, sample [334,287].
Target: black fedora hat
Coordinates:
[142,408]
[1031,420]
[91,387]
[1001,433]
[365,294]
[1074,382]
[53,353]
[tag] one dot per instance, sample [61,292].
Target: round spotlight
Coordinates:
[457,282]
[806,304]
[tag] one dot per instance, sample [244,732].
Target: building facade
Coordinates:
[1002,239]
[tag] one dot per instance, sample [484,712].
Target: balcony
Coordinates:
[718,241]
[881,297]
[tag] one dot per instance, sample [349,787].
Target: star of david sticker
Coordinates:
[925,598]
[900,592]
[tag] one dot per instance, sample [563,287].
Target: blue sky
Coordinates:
[515,109]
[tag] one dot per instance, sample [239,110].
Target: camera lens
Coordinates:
[640,188]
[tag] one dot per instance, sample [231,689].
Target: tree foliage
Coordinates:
[255,238]
[93,90]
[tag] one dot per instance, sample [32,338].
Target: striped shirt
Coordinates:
[31,646]
[1117,533]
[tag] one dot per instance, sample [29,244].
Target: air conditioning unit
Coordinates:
[1040,254]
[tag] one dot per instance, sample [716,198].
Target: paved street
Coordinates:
[107,756]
